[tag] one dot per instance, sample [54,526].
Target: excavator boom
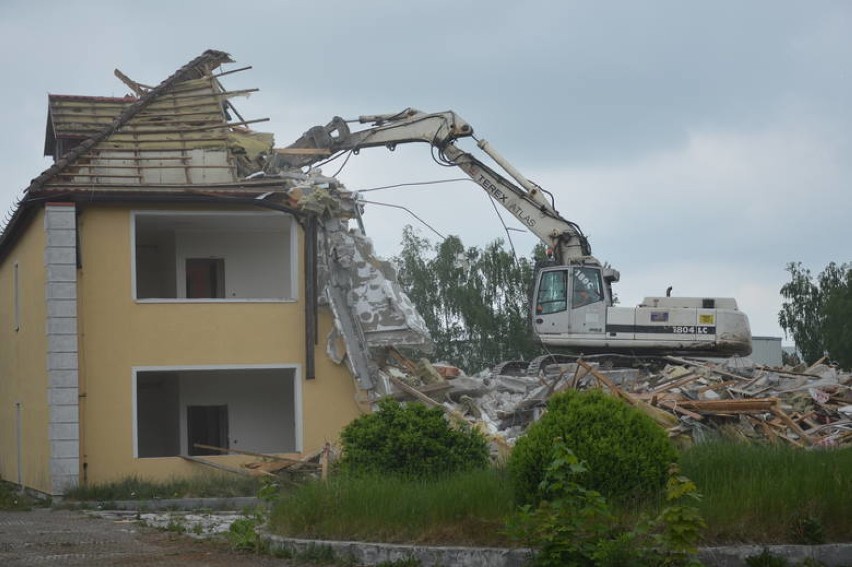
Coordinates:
[572,304]
[526,202]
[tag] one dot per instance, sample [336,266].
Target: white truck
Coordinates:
[572,303]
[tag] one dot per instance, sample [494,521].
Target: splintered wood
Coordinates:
[803,406]
[266,464]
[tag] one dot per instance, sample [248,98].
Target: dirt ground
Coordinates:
[64,537]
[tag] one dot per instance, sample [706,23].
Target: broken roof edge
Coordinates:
[206,62]
[227,194]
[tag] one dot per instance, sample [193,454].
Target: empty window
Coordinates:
[214,256]
[199,412]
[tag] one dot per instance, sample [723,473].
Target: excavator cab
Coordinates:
[571,299]
[572,308]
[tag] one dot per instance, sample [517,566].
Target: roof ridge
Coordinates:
[125,98]
[207,61]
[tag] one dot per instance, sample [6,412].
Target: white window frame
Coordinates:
[297,394]
[294,258]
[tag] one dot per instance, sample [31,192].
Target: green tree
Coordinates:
[812,305]
[837,326]
[474,301]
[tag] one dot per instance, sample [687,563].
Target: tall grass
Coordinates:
[752,494]
[464,509]
[199,486]
[772,494]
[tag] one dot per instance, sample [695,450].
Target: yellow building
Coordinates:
[164,287]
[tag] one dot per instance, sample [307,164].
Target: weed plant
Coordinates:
[467,508]
[12,499]
[200,486]
[772,494]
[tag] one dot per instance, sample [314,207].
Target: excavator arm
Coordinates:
[526,202]
[572,303]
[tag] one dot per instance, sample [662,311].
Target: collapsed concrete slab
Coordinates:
[371,310]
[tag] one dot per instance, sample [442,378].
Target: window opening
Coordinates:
[252,409]
[204,256]
[587,287]
[552,292]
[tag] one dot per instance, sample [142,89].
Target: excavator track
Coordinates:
[605,360]
[538,362]
[510,368]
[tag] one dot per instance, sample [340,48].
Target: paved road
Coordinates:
[64,537]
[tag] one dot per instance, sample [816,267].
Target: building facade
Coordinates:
[167,296]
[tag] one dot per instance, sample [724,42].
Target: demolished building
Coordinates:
[176,299]
[172,296]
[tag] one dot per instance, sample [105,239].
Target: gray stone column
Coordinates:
[62,371]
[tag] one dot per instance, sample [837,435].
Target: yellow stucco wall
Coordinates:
[118,334]
[23,361]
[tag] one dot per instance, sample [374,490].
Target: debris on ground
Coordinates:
[313,463]
[694,399]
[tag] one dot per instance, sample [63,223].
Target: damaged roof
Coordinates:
[178,133]
[167,139]
[183,140]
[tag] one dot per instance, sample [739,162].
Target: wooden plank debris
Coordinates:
[221,467]
[269,464]
[687,397]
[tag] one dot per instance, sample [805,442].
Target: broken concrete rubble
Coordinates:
[693,399]
[371,312]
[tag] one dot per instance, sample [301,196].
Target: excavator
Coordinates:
[572,301]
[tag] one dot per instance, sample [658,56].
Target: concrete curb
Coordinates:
[365,553]
[832,555]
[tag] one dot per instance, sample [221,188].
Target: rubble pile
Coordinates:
[693,399]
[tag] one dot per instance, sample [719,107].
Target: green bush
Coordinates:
[626,453]
[575,526]
[410,440]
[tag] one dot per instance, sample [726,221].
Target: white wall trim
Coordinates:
[217,300]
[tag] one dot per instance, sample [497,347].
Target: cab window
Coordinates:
[587,288]
[552,293]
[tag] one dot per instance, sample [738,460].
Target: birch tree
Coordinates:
[475,301]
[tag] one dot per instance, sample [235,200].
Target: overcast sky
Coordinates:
[699,145]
